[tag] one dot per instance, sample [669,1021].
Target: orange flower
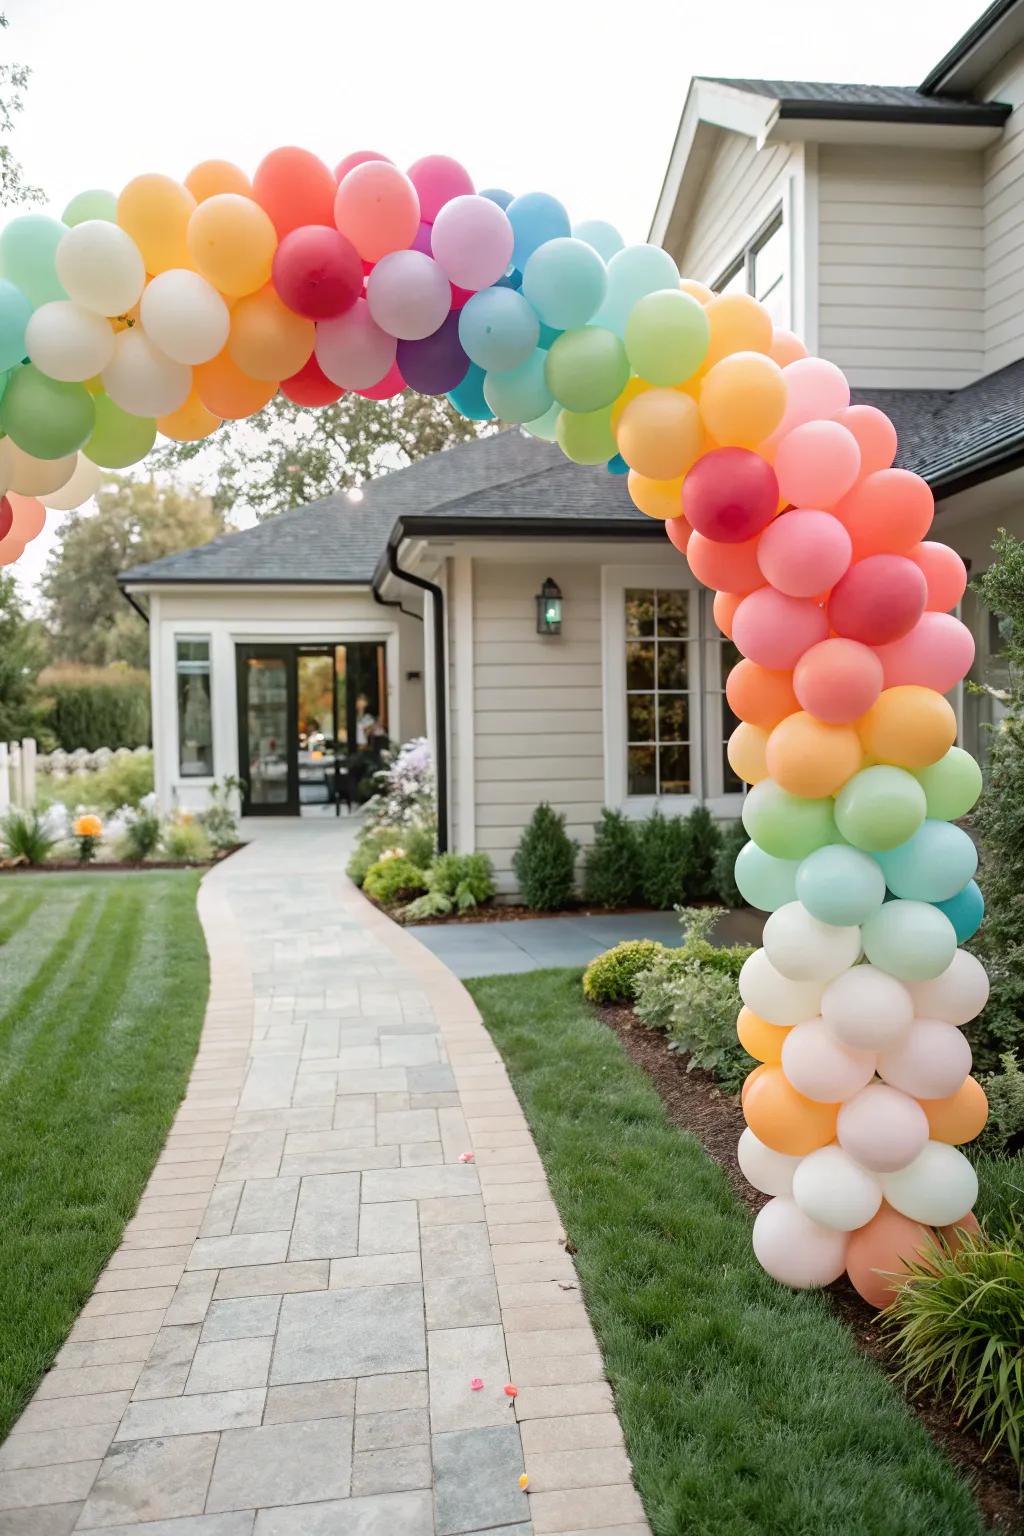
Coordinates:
[88,826]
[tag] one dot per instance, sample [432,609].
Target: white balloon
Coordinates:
[775,998]
[769,1171]
[85,482]
[804,948]
[957,995]
[795,1250]
[868,1009]
[931,1061]
[832,1189]
[822,1067]
[69,342]
[36,477]
[938,1188]
[101,267]
[882,1128]
[184,316]
[141,380]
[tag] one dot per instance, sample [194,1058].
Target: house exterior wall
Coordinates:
[1003,173]
[741,189]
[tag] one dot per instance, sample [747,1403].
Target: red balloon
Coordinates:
[386,388]
[317,272]
[879,600]
[295,188]
[311,386]
[6,517]
[730,494]
[679,531]
[357,157]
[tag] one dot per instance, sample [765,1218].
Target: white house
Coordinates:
[886,225]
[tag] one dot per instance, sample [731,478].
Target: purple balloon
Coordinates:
[436,364]
[421,240]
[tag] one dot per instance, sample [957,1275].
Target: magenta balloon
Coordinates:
[437,179]
[472,240]
[730,494]
[775,630]
[879,600]
[436,364]
[804,553]
[937,653]
[421,240]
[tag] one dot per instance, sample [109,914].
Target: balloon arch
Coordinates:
[177,305]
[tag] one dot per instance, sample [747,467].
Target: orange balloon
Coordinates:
[268,340]
[724,610]
[760,1039]
[959,1118]
[784,1120]
[210,177]
[749,1081]
[810,758]
[231,242]
[725,567]
[190,423]
[786,348]
[29,517]
[155,211]
[227,392]
[968,1225]
[887,512]
[738,324]
[760,696]
[877,1256]
[634,386]
[658,498]
[659,434]
[875,434]
[679,533]
[295,188]
[699,291]
[746,753]
[908,726]
[742,399]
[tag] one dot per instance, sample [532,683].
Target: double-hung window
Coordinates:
[761,268]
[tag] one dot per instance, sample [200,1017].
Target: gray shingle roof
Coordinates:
[946,434]
[880,103]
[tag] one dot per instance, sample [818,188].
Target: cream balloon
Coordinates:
[769,1171]
[957,995]
[794,1249]
[101,267]
[37,477]
[184,316]
[821,1067]
[802,948]
[85,482]
[938,1188]
[774,997]
[868,1009]
[834,1190]
[882,1128]
[141,380]
[931,1061]
[69,342]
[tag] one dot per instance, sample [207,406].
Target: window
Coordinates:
[761,268]
[195,715]
[657,700]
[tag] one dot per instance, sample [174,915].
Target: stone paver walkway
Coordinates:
[286,1341]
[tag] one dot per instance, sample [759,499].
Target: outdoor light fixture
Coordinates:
[549,608]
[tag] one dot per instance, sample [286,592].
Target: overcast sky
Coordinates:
[577,97]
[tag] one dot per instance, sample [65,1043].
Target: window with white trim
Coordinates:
[195,712]
[762,269]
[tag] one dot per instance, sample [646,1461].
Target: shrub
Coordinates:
[609,978]
[611,874]
[703,841]
[456,882]
[734,837]
[373,841]
[545,861]
[1005,1090]
[27,835]
[664,849]
[141,838]
[1000,1204]
[394,881]
[124,781]
[187,842]
[219,820]
[420,843]
[403,790]
[999,1028]
[95,706]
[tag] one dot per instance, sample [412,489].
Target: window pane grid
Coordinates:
[195,714]
[657,690]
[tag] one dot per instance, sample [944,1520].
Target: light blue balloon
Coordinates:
[535,217]
[497,195]
[565,281]
[932,865]
[912,940]
[15,313]
[965,911]
[468,397]
[28,249]
[764,881]
[605,238]
[521,394]
[840,885]
[498,329]
[632,274]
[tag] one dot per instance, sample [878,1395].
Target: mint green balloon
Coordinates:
[880,808]
[43,417]
[94,204]
[587,368]
[28,248]
[784,825]
[763,880]
[586,437]
[910,939]
[545,427]
[118,439]
[951,786]
[667,336]
[840,885]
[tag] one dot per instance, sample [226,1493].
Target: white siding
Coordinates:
[901,265]
[1004,221]
[742,187]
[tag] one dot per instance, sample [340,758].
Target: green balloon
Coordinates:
[118,439]
[785,825]
[587,369]
[910,939]
[880,808]
[28,247]
[951,786]
[667,336]
[586,437]
[763,880]
[94,204]
[546,426]
[44,417]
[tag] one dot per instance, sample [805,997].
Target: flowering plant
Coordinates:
[87,830]
[405,788]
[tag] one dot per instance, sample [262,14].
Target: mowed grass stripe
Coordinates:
[15,910]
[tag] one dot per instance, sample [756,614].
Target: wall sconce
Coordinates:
[549,608]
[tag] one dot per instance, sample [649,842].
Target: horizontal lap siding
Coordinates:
[1004,222]
[901,265]
[742,186]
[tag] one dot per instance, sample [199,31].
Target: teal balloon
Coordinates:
[498,329]
[535,218]
[617,465]
[548,335]
[587,368]
[520,394]
[15,313]
[764,881]
[605,238]
[912,940]
[94,204]
[965,911]
[840,885]
[879,808]
[45,418]
[932,865]
[632,274]
[565,281]
[468,397]
[28,250]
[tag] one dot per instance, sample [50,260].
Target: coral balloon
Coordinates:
[932,1061]
[679,532]
[760,1039]
[868,1009]
[746,749]
[155,211]
[376,207]
[294,188]
[961,1116]
[311,386]
[231,241]
[773,629]
[317,272]
[882,1128]
[817,463]
[210,177]
[835,1191]
[190,423]
[878,1254]
[742,399]
[804,553]
[759,696]
[658,498]
[730,495]
[659,434]
[784,1119]
[822,1067]
[723,610]
[269,341]
[737,323]
[879,600]
[357,157]
[770,1172]
[936,654]
[794,1249]
[723,567]
[838,680]
[28,517]
[909,727]
[229,393]
[875,434]
[811,758]
[888,512]
[944,573]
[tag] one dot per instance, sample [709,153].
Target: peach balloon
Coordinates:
[699,291]
[775,630]
[944,573]
[679,533]
[749,1081]
[960,1117]
[882,1128]
[838,680]
[954,1234]
[742,399]
[937,653]
[228,392]
[760,1039]
[786,348]
[875,434]
[908,727]
[29,517]
[155,210]
[887,513]
[232,241]
[212,176]
[804,553]
[268,340]
[11,549]
[784,1119]
[377,208]
[658,498]
[758,695]
[811,758]
[816,465]
[659,434]
[724,567]
[746,753]
[634,387]
[877,1255]
[738,324]
[190,423]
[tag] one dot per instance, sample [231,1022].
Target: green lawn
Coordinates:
[746,1408]
[103,982]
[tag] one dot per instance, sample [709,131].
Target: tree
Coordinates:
[136,521]
[287,455]
[22,654]
[13,187]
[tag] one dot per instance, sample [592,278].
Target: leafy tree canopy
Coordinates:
[14,189]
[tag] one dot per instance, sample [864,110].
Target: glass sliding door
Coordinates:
[267,743]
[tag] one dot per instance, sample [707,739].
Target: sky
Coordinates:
[580,98]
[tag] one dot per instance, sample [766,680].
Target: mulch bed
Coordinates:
[695,1103]
[105,867]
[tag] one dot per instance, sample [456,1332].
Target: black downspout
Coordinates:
[139,610]
[390,602]
[440,691]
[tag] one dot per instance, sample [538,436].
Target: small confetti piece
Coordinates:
[467,1157]
[511,1391]
[476,1385]
[523,1480]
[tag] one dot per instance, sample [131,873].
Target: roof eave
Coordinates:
[131,581]
[1001,459]
[974,55]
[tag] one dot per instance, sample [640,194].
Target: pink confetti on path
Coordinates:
[476,1385]
[467,1157]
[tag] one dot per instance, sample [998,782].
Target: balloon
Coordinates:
[875,435]
[408,294]
[725,567]
[101,267]
[211,177]
[229,393]
[35,477]
[468,396]
[28,249]
[730,494]
[498,329]
[697,290]
[633,273]
[522,393]
[910,727]
[387,388]
[888,512]
[745,753]
[909,939]
[587,369]
[311,386]
[68,342]
[269,341]
[605,238]
[932,1060]
[118,439]
[878,1254]
[438,179]
[678,529]
[965,910]
[944,572]
[938,1188]
[760,1039]
[190,423]
[28,517]
[659,433]
[657,498]
[545,427]
[471,239]
[803,553]
[833,1190]
[957,995]
[867,1009]
[737,323]
[294,188]
[879,808]
[742,398]
[840,885]
[933,865]
[770,1172]
[951,785]
[155,211]
[231,241]
[882,1128]
[759,696]
[776,998]
[437,363]
[667,336]
[94,204]
[775,630]
[535,218]
[815,390]
[44,417]
[140,379]
[794,1249]
[184,316]
[376,207]
[821,1066]
[880,599]
[803,949]
[15,313]
[317,272]
[808,757]
[784,1119]
[565,280]
[358,157]
[351,348]
[586,437]
[961,1116]
[817,463]
[837,680]
[936,653]
[84,482]
[784,825]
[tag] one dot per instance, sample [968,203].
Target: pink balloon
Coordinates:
[931,1061]
[437,179]
[882,1128]
[937,653]
[944,572]
[838,680]
[376,207]
[357,157]
[880,599]
[775,630]
[472,239]
[816,464]
[816,390]
[387,388]
[821,1067]
[803,553]
[875,434]
[795,1250]
[352,349]
[408,294]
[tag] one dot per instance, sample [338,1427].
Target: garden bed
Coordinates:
[111,866]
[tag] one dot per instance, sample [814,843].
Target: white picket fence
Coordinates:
[18,762]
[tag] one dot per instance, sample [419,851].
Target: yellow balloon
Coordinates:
[268,340]
[231,241]
[746,751]
[212,176]
[190,423]
[635,387]
[658,498]
[742,399]
[659,434]
[738,324]
[909,727]
[155,211]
